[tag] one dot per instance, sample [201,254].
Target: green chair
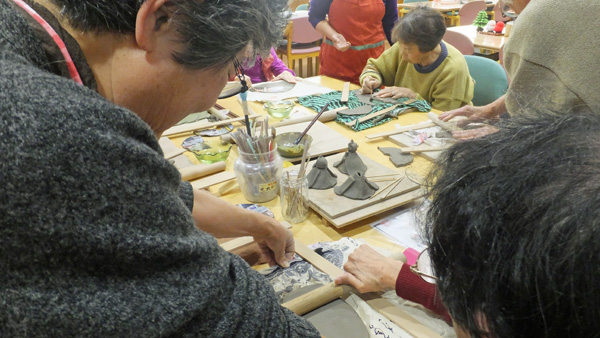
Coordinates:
[490,78]
[303,7]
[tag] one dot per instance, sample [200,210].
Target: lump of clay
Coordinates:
[321,177]
[397,156]
[356,187]
[351,163]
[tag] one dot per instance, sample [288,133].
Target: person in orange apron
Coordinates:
[354,32]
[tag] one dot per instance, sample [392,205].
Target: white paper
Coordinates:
[402,228]
[302,88]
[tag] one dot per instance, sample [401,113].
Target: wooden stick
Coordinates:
[394,187]
[396,174]
[240,242]
[421,125]
[186,128]
[420,149]
[174,154]
[345,92]
[449,126]
[387,186]
[368,117]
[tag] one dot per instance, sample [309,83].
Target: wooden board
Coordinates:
[404,193]
[325,141]
[331,205]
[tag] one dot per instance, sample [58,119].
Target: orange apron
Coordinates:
[359,21]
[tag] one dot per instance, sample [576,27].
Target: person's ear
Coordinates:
[151,24]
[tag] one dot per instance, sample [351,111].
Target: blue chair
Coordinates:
[490,78]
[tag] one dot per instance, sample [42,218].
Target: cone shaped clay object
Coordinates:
[321,177]
[356,187]
[351,162]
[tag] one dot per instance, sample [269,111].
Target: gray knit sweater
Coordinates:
[96,234]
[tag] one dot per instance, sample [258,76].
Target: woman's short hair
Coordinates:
[422,26]
[212,32]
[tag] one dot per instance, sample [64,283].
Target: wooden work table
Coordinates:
[480,40]
[314,229]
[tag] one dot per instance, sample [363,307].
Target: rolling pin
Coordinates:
[325,294]
[199,170]
[317,298]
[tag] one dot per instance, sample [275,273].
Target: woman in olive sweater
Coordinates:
[420,65]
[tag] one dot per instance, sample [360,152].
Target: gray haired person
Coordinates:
[99,237]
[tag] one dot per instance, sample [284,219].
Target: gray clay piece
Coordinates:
[321,177]
[364,98]
[362,110]
[351,163]
[397,157]
[333,320]
[443,134]
[356,187]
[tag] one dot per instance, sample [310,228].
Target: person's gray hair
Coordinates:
[212,32]
[422,26]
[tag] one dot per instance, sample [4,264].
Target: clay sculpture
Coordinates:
[321,177]
[356,187]
[397,156]
[351,162]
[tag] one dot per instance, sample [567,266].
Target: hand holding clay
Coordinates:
[369,271]
[369,83]
[274,240]
[339,42]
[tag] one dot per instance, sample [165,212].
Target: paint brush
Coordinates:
[311,124]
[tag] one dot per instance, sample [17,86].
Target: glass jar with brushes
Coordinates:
[258,174]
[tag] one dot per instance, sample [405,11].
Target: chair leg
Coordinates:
[300,66]
[309,67]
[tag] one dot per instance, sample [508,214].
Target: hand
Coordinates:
[287,77]
[474,133]
[473,114]
[369,83]
[396,93]
[339,42]
[369,271]
[274,240]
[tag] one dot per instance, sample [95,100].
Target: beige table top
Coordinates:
[441,7]
[486,41]
[313,229]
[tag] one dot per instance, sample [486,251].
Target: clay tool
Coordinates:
[311,124]
[420,149]
[368,117]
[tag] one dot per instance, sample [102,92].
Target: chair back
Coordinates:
[498,13]
[408,1]
[303,7]
[303,31]
[490,78]
[468,12]
[460,42]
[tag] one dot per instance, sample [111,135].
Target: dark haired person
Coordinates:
[513,229]
[98,235]
[420,65]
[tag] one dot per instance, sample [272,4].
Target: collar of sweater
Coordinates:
[430,68]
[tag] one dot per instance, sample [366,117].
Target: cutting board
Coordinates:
[341,211]
[325,141]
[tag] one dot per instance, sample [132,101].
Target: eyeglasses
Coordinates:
[234,88]
[422,267]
